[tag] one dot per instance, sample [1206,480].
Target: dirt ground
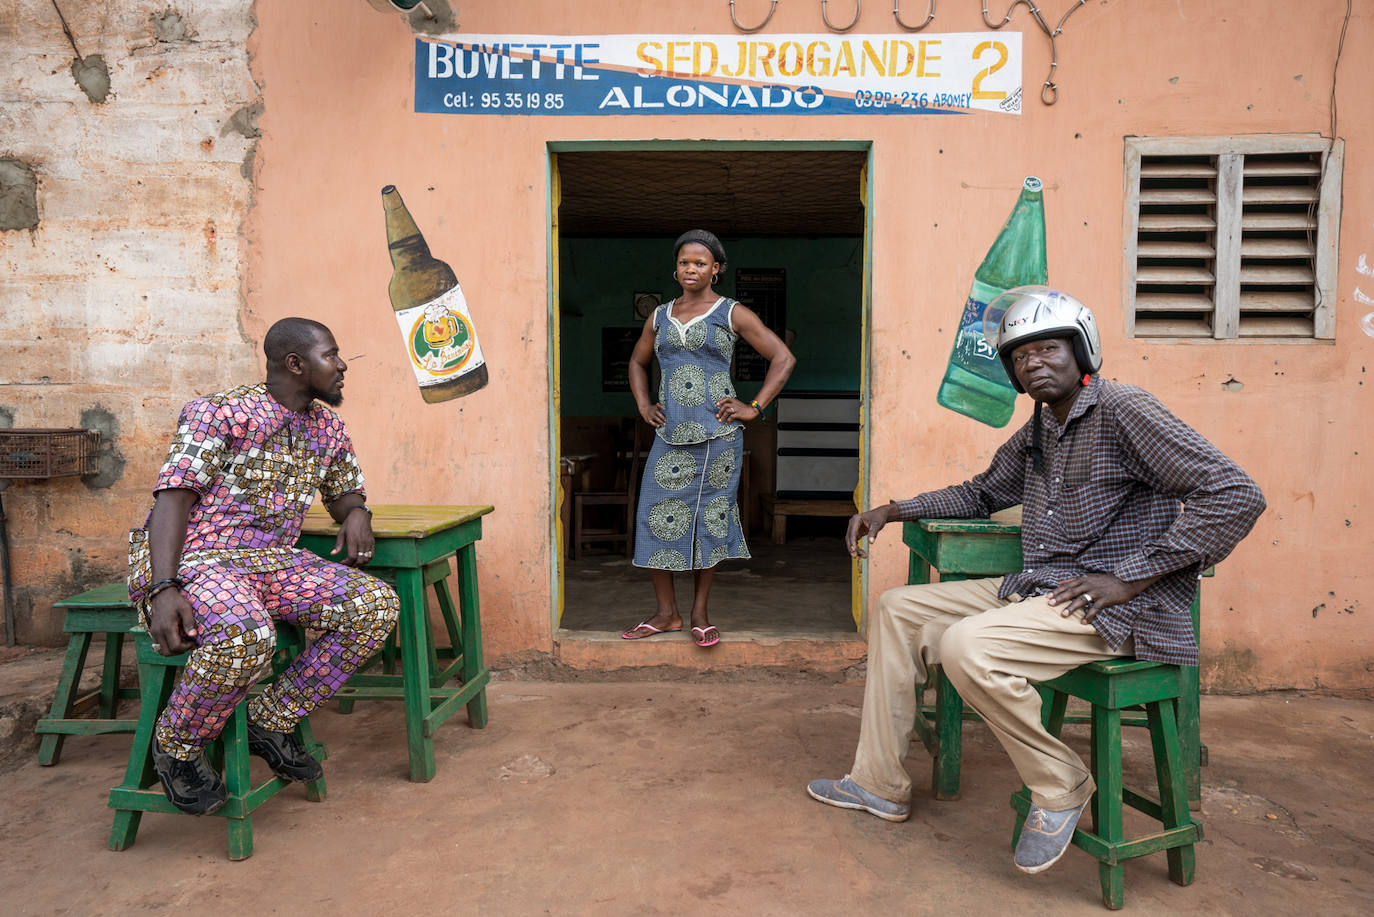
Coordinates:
[684,797]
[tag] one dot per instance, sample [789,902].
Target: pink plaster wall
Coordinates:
[339,124]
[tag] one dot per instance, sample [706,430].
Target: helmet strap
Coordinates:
[1037,454]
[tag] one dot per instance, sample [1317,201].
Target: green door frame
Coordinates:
[859,576]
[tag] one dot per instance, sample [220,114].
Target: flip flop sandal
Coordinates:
[706,636]
[634,632]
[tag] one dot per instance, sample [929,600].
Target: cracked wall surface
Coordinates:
[121,294]
[230,177]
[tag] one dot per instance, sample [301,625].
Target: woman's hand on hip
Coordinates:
[729,410]
[653,415]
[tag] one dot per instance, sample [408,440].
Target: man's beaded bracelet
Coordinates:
[162,584]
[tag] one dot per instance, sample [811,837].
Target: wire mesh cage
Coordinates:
[48,453]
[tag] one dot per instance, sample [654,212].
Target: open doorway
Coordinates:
[793,220]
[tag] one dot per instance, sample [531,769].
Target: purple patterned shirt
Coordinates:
[1108,501]
[256,467]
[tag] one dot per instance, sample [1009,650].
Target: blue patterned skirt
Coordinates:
[688,514]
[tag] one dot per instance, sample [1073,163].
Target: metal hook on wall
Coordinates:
[742,28]
[897,15]
[1015,3]
[858,8]
[1049,92]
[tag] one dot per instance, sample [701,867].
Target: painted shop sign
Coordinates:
[951,73]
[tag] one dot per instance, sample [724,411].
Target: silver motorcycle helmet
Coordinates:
[1033,313]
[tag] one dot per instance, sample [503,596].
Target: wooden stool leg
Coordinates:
[578,510]
[315,790]
[1190,733]
[1106,802]
[1052,713]
[155,683]
[949,731]
[239,784]
[1170,768]
[450,615]
[472,632]
[391,651]
[429,645]
[1019,823]
[415,674]
[68,684]
[109,676]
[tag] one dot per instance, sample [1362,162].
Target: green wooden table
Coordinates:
[414,544]
[956,549]
[959,549]
[103,610]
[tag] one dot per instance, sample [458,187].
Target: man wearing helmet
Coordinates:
[1123,506]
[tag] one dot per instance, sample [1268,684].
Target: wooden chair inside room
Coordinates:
[590,513]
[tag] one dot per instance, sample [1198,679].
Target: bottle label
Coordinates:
[440,338]
[973,350]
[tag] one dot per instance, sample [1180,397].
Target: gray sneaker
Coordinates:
[847,794]
[1045,836]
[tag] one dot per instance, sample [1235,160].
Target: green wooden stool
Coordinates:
[141,792]
[1111,686]
[105,610]
[961,549]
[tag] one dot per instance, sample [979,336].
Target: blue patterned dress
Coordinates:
[688,515]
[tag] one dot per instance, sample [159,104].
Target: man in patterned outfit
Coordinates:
[216,563]
[1110,568]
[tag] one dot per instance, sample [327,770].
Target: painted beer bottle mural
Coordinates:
[440,340]
[975,383]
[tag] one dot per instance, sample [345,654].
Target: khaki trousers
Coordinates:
[992,650]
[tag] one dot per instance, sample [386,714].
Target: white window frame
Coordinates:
[1229,153]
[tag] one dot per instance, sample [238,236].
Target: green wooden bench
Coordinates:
[141,792]
[104,610]
[959,549]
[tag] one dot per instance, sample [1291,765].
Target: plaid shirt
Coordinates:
[1108,502]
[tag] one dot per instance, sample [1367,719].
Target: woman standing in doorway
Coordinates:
[688,516]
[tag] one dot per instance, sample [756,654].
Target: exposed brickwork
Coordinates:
[125,296]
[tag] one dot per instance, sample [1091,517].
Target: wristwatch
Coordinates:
[364,507]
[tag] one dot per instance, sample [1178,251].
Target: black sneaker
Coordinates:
[284,753]
[192,786]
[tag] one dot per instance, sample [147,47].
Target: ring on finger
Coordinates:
[1087,597]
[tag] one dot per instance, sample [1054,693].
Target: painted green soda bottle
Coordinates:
[975,383]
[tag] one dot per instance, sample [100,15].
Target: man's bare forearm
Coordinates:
[167,531]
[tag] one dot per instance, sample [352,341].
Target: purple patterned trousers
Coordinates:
[236,639]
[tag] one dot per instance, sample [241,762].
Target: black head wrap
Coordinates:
[701,237]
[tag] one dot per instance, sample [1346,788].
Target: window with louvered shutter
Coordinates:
[1232,237]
